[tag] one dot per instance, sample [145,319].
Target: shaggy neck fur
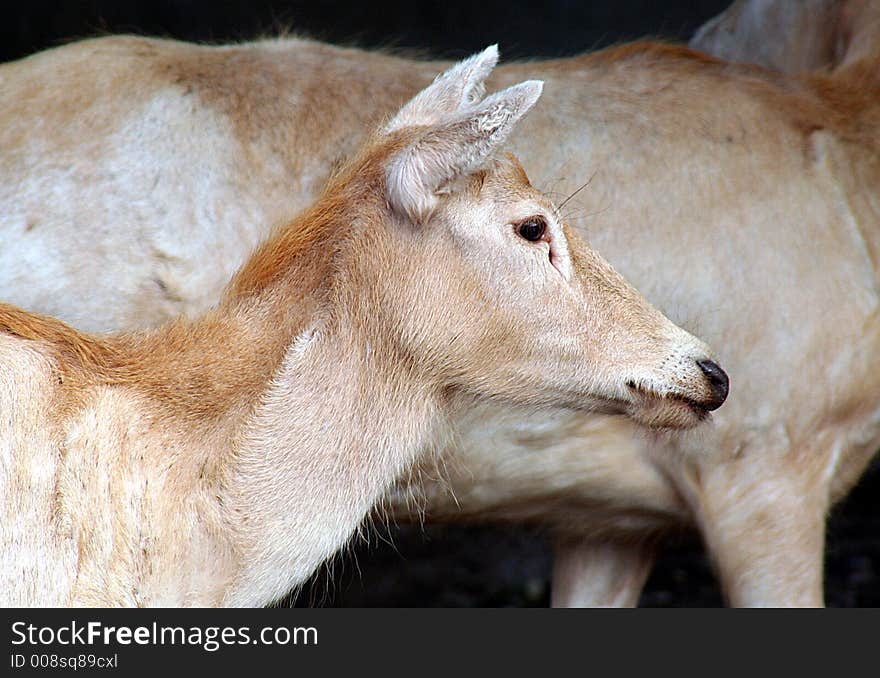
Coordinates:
[333,424]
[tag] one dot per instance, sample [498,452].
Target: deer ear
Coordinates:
[455,89]
[454,147]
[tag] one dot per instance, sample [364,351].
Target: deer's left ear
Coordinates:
[454,147]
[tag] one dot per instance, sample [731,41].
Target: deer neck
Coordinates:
[337,419]
[329,436]
[312,417]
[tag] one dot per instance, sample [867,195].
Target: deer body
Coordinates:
[738,201]
[221,459]
[142,164]
[141,507]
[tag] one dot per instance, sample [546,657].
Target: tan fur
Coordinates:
[742,202]
[74,350]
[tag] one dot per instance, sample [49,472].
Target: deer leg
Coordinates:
[764,525]
[595,573]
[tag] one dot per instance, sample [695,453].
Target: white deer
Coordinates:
[137,174]
[220,460]
[793,37]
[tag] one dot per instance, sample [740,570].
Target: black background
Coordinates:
[487,566]
[441,28]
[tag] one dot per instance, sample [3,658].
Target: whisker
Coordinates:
[578,190]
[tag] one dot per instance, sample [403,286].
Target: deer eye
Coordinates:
[532,229]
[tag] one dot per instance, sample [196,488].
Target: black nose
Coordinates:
[718,380]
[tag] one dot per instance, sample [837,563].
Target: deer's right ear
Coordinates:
[456,146]
[457,88]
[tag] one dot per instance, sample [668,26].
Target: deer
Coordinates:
[219,460]
[793,37]
[737,200]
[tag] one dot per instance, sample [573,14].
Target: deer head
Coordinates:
[461,273]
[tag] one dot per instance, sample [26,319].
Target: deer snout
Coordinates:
[719,383]
[682,393]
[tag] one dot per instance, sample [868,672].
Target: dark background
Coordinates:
[442,28]
[486,566]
